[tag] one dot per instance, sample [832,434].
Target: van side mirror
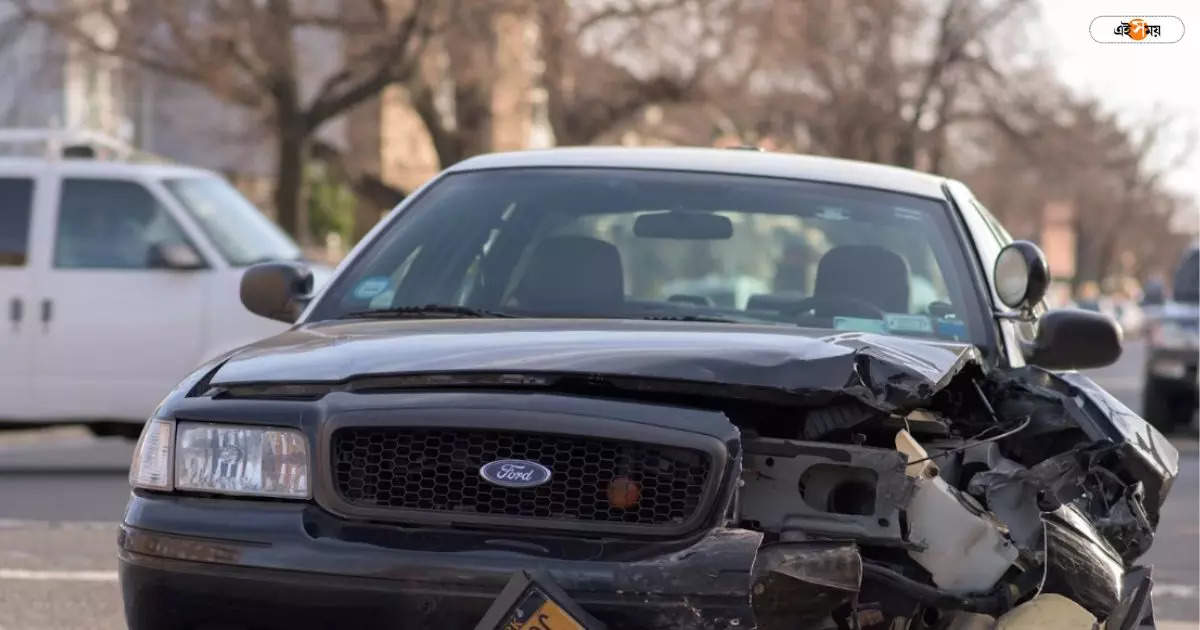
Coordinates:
[1075,339]
[178,256]
[277,290]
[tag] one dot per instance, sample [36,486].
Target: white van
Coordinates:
[117,279]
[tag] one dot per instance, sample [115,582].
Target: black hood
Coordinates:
[884,371]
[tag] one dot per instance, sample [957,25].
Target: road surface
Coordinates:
[62,493]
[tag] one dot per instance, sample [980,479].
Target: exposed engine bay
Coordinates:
[993,505]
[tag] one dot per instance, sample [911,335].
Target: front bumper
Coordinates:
[189,562]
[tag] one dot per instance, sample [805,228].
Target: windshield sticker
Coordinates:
[859,324]
[370,287]
[955,329]
[901,322]
[906,213]
[832,214]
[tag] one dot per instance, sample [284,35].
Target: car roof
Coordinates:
[101,168]
[732,161]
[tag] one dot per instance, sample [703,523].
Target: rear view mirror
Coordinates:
[178,256]
[1074,339]
[277,290]
[683,225]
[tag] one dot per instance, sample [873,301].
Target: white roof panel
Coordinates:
[732,161]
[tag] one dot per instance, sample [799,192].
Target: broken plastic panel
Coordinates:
[822,489]
[966,549]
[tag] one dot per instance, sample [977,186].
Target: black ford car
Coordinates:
[662,389]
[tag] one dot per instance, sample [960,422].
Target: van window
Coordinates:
[242,234]
[106,224]
[16,207]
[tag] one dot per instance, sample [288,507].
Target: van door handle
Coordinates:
[16,310]
[47,312]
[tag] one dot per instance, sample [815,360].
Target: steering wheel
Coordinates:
[829,305]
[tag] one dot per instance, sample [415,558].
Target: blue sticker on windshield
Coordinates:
[955,329]
[370,287]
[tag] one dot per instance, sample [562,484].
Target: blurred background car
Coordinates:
[1173,341]
[118,277]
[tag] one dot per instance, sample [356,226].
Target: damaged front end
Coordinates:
[866,481]
[953,498]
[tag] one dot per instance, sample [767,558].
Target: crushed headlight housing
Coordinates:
[242,460]
[151,467]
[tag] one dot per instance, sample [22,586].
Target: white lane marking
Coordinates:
[63,576]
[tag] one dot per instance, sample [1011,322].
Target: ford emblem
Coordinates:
[514,473]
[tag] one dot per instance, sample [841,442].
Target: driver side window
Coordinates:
[107,224]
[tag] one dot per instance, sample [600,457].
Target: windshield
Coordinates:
[612,243]
[238,230]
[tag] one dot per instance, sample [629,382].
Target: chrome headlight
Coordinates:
[221,458]
[242,459]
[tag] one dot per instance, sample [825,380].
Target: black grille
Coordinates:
[438,470]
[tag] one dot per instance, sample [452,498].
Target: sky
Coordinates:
[1136,81]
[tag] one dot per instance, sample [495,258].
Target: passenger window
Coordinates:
[105,224]
[16,209]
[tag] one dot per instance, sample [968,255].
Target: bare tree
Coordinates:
[879,80]
[1073,151]
[605,62]
[248,53]
[601,64]
[452,92]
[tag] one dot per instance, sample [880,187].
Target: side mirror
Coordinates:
[179,256]
[1021,275]
[1074,339]
[277,290]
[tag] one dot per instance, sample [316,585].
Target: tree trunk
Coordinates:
[290,211]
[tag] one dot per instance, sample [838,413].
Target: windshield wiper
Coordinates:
[416,312]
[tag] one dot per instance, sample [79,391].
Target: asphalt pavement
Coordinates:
[62,493]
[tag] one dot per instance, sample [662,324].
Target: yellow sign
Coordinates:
[538,612]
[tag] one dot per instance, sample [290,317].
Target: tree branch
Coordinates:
[406,42]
